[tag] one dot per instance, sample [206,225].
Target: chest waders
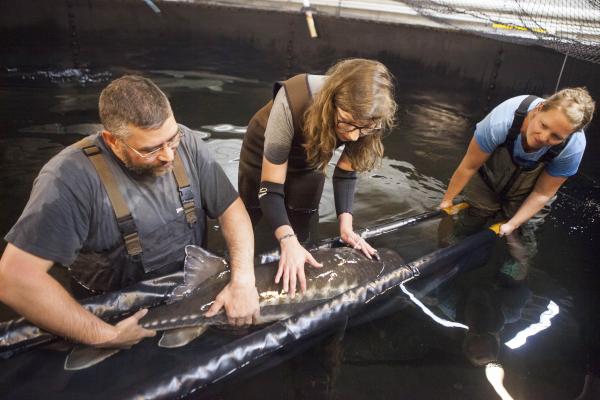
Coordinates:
[122,265]
[303,183]
[502,184]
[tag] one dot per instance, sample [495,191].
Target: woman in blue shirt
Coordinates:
[520,155]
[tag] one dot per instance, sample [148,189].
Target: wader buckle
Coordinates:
[130,236]
[189,205]
[91,150]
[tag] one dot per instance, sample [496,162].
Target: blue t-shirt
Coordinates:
[491,132]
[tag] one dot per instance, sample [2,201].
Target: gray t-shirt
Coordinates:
[280,126]
[69,212]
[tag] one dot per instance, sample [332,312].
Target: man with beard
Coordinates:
[119,207]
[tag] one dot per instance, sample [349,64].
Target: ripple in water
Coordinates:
[397,187]
[70,75]
[578,209]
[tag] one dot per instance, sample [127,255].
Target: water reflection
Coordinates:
[74,102]
[395,188]
[60,129]
[227,128]
[185,77]
[79,76]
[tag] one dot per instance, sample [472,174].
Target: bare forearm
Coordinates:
[471,162]
[531,206]
[345,221]
[44,302]
[459,180]
[545,188]
[237,231]
[239,297]
[282,231]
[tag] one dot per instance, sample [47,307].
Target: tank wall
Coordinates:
[127,33]
[38,32]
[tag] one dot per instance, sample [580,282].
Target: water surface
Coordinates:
[405,353]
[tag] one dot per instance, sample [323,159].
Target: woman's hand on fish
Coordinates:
[128,332]
[240,300]
[353,239]
[291,265]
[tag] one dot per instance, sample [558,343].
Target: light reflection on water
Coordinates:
[395,188]
[433,131]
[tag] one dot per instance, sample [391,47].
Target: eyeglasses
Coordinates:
[171,143]
[347,127]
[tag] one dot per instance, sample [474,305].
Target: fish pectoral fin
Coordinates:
[180,337]
[82,357]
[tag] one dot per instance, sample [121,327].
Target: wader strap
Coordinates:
[185,190]
[298,96]
[509,143]
[125,221]
[515,129]
[554,151]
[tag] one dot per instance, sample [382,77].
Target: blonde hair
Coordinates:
[576,103]
[363,88]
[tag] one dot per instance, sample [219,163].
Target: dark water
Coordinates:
[406,354]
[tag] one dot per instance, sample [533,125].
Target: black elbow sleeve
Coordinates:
[272,204]
[344,185]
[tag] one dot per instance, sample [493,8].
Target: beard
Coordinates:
[159,168]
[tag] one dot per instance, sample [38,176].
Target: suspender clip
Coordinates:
[185,194]
[189,205]
[130,236]
[91,150]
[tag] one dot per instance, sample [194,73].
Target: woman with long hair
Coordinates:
[290,141]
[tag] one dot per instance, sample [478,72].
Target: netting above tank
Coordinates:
[569,26]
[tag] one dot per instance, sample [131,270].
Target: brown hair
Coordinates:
[134,100]
[363,88]
[576,103]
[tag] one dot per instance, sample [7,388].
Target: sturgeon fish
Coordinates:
[182,318]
